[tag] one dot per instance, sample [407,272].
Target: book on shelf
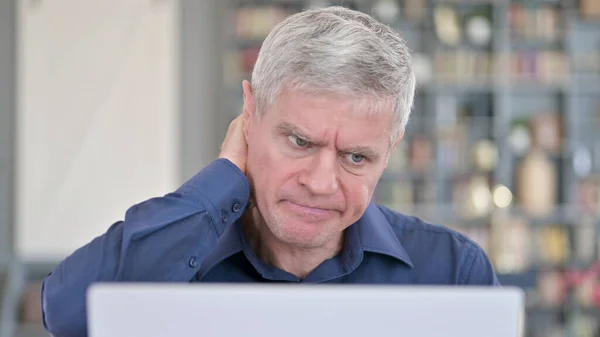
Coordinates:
[538,23]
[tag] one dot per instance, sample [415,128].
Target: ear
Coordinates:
[249,109]
[400,136]
[393,147]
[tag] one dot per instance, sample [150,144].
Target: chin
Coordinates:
[301,233]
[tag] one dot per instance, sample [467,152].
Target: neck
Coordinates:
[299,261]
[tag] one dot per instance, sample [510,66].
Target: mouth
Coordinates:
[308,211]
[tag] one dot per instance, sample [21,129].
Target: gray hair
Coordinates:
[336,50]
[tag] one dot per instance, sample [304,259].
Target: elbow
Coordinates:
[63,309]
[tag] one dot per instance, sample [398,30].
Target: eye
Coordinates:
[356,158]
[297,141]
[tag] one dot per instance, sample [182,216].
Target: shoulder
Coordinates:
[439,247]
[416,228]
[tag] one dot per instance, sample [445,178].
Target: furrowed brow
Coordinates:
[293,130]
[365,151]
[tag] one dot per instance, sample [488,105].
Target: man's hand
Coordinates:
[234,147]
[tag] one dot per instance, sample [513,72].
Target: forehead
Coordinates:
[346,119]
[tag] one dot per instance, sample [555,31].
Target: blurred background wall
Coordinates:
[107,103]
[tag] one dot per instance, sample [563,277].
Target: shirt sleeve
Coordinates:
[478,269]
[163,239]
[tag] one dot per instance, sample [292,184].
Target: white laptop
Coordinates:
[278,310]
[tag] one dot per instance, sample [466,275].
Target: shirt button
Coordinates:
[236,207]
[193,263]
[224,217]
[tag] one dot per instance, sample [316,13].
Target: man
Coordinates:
[289,198]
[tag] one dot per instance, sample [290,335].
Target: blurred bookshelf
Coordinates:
[502,142]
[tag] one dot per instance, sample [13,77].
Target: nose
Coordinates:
[320,177]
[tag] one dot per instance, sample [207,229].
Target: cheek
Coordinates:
[258,150]
[358,192]
[270,170]
[262,148]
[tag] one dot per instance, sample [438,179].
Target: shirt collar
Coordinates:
[371,233]
[377,236]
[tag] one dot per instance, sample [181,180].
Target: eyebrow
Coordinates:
[362,150]
[365,151]
[292,129]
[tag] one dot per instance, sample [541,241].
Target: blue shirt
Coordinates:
[192,235]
